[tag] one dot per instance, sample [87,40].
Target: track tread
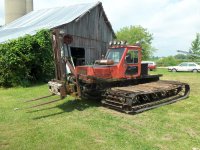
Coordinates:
[136,98]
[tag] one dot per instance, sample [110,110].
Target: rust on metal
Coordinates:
[67,39]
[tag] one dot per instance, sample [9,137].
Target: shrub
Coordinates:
[26,60]
[167,61]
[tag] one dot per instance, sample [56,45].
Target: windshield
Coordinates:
[115,54]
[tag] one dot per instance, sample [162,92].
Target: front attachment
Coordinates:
[56,88]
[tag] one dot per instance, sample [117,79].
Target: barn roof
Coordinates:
[46,19]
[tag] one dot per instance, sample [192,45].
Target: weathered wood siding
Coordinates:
[91,32]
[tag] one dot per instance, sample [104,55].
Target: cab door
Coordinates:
[133,63]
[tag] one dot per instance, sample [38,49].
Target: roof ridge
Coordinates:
[70,5]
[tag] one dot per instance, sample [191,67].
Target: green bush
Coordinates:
[26,60]
[167,61]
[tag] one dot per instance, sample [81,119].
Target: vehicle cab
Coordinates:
[120,62]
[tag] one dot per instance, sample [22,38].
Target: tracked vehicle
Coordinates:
[119,80]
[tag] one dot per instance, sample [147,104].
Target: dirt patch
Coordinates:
[191,132]
[162,147]
[168,126]
[4,144]
[98,138]
[130,129]
[168,137]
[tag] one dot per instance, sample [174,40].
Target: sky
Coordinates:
[173,23]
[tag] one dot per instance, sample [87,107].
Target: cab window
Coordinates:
[115,54]
[132,57]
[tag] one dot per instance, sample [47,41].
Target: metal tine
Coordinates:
[41,104]
[36,99]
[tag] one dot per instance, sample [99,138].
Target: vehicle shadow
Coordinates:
[68,106]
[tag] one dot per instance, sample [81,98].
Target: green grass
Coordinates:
[75,124]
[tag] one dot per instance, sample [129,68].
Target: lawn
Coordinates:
[75,124]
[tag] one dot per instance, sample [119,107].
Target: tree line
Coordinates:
[193,55]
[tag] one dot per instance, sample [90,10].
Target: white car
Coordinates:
[185,66]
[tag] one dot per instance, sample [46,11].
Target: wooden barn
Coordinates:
[86,23]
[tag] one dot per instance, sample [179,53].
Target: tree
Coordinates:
[195,46]
[167,61]
[180,56]
[132,34]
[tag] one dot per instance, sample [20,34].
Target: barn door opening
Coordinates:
[78,55]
